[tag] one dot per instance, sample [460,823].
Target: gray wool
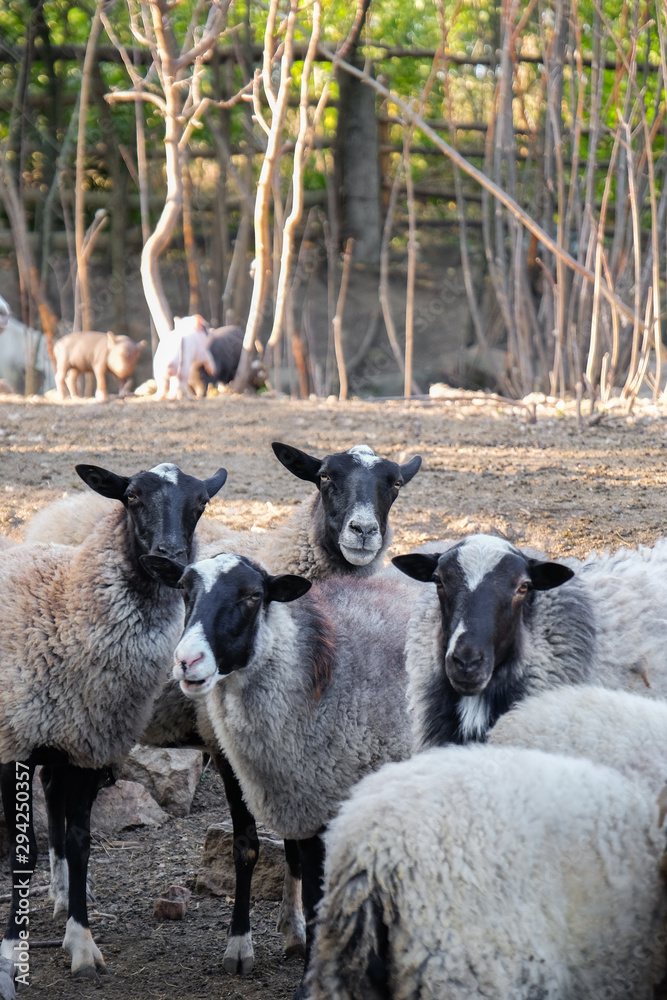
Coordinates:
[626,590]
[492,872]
[173,721]
[85,645]
[7,991]
[297,750]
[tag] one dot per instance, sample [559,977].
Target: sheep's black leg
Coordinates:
[79,787]
[16,787]
[291,923]
[55,808]
[311,852]
[239,955]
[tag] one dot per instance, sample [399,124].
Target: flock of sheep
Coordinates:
[465,758]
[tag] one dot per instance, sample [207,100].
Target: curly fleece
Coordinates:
[295,752]
[85,645]
[492,872]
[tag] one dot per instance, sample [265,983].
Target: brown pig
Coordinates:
[78,353]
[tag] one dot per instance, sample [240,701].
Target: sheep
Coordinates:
[86,352]
[342,530]
[184,347]
[304,698]
[225,346]
[492,871]
[71,519]
[86,634]
[502,624]
[615,728]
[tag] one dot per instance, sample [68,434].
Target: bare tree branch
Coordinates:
[515,209]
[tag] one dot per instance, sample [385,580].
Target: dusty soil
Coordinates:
[485,468]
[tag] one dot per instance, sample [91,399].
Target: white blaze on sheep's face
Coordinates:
[455,636]
[364,455]
[479,555]
[209,570]
[168,471]
[194,663]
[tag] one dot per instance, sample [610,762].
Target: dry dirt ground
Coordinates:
[485,468]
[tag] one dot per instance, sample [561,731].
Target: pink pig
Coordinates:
[177,352]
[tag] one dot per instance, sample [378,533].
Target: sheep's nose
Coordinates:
[172,552]
[468,661]
[364,529]
[187,663]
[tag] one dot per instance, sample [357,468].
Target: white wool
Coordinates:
[627,589]
[479,555]
[474,715]
[620,730]
[495,872]
[364,454]
[210,569]
[168,471]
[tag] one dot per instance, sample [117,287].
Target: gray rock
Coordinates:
[216,872]
[171,776]
[125,804]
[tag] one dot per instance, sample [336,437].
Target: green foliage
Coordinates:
[467,91]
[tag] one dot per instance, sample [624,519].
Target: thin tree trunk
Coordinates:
[338,320]
[142,183]
[412,266]
[278,105]
[189,243]
[296,212]
[79,196]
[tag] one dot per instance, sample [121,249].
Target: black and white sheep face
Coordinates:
[225,598]
[357,489]
[163,504]
[485,586]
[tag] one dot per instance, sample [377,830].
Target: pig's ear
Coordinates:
[111,338]
[141,345]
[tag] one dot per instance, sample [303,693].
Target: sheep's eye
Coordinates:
[398,484]
[132,498]
[254,598]
[522,588]
[324,478]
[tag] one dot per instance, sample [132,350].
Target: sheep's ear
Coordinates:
[410,469]
[286,588]
[107,484]
[164,570]
[420,566]
[216,482]
[547,575]
[297,462]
